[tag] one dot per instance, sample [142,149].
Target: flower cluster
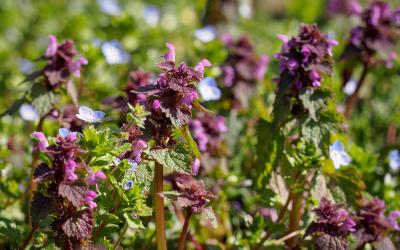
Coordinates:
[208,130]
[304,58]
[242,67]
[171,98]
[64,186]
[346,7]
[61,62]
[138,145]
[378,33]
[373,224]
[332,221]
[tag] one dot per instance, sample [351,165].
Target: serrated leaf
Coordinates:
[208,215]
[326,241]
[314,100]
[170,195]
[79,226]
[74,192]
[133,223]
[41,207]
[179,159]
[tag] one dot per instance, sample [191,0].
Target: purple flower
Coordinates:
[156,105]
[346,7]
[195,166]
[52,47]
[75,67]
[69,170]
[89,197]
[262,67]
[93,178]
[304,58]
[170,55]
[137,149]
[393,220]
[42,141]
[229,75]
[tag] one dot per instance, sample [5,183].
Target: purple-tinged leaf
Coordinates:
[42,172]
[79,226]
[41,207]
[73,192]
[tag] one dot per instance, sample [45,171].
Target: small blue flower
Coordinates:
[206,34]
[26,66]
[128,185]
[116,161]
[64,132]
[114,52]
[394,159]
[133,165]
[151,15]
[209,90]
[110,7]
[339,155]
[28,112]
[89,115]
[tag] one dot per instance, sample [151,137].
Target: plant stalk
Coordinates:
[353,99]
[294,218]
[159,207]
[182,237]
[29,238]
[121,235]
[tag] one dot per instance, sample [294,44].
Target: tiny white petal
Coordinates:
[209,90]
[206,34]
[28,112]
[114,52]
[110,7]
[245,10]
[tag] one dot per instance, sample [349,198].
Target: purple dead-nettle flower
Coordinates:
[89,115]
[175,89]
[377,35]
[137,149]
[209,90]
[345,7]
[242,68]
[305,58]
[114,52]
[339,155]
[28,112]
[372,224]
[69,170]
[93,178]
[128,185]
[206,34]
[208,132]
[394,159]
[42,141]
[193,196]
[151,15]
[62,62]
[393,220]
[195,166]
[333,221]
[89,197]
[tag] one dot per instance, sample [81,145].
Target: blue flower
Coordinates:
[339,155]
[209,90]
[151,15]
[206,34]
[110,7]
[133,165]
[28,112]
[128,185]
[394,159]
[116,161]
[64,132]
[89,115]
[114,52]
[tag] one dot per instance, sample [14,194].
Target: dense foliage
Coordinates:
[248,124]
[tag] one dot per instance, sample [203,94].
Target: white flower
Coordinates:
[151,15]
[209,90]
[350,87]
[394,159]
[89,115]
[28,112]
[64,132]
[206,34]
[110,7]
[128,185]
[245,10]
[339,155]
[114,53]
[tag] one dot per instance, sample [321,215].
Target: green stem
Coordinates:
[159,207]
[182,237]
[29,238]
[121,235]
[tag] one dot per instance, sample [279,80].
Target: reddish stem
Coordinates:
[353,99]
[159,207]
[182,238]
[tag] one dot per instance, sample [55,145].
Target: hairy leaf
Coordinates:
[178,159]
[41,207]
[326,241]
[79,226]
[314,100]
[73,192]
[44,102]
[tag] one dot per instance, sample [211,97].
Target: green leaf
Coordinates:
[133,223]
[178,159]
[314,100]
[41,207]
[185,133]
